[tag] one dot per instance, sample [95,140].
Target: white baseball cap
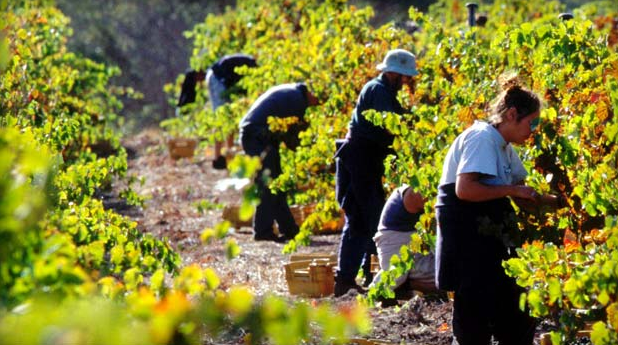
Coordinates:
[399,61]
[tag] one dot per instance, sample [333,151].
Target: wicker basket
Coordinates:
[181,147]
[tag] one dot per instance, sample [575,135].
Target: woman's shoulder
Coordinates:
[478,130]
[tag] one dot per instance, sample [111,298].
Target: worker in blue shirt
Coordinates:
[257,140]
[360,167]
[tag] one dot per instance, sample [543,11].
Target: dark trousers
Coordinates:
[486,300]
[493,309]
[272,207]
[354,251]
[359,192]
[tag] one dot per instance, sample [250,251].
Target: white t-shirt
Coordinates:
[481,149]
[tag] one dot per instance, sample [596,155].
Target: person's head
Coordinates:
[310,96]
[413,202]
[399,66]
[481,19]
[515,111]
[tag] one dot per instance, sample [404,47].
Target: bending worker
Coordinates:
[257,140]
[222,81]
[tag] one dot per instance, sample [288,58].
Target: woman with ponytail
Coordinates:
[482,173]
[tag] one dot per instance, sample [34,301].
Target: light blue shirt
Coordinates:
[482,149]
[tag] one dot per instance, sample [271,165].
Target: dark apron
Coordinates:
[469,246]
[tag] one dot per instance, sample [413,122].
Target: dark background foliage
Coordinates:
[144,38]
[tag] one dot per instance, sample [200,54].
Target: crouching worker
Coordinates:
[281,101]
[399,215]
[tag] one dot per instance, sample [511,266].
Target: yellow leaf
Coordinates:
[602,111]
[465,115]
[212,280]
[612,315]
[239,301]
[207,235]
[232,249]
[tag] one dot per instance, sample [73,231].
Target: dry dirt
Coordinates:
[173,187]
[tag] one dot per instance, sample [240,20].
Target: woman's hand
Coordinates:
[524,192]
[551,200]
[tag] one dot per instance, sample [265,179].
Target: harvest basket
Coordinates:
[311,275]
[298,212]
[181,147]
[311,256]
[335,225]
[230,213]
[301,212]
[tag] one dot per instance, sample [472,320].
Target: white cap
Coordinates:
[399,61]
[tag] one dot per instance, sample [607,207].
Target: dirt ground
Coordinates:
[173,187]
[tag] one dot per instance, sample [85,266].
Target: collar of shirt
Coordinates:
[384,80]
[493,131]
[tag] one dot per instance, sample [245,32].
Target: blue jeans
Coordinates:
[354,251]
[359,191]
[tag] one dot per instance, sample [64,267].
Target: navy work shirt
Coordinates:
[394,214]
[284,100]
[224,68]
[379,95]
